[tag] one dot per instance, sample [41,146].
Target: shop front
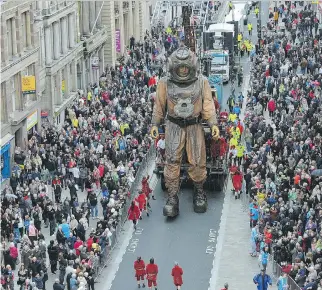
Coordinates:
[5,157]
[32,121]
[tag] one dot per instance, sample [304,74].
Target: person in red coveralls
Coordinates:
[237,183]
[139,267]
[177,273]
[134,213]
[142,200]
[146,188]
[151,274]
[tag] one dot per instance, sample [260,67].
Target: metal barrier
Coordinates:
[143,170]
[276,271]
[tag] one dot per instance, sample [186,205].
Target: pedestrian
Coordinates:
[282,283]
[139,267]
[58,286]
[177,273]
[134,214]
[262,280]
[225,286]
[152,274]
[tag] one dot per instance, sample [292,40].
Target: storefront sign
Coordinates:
[63,86]
[28,84]
[118,40]
[32,120]
[95,62]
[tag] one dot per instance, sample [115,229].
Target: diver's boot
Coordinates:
[200,204]
[171,208]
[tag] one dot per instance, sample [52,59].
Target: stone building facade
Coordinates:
[52,49]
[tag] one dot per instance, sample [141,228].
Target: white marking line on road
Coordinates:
[223,221]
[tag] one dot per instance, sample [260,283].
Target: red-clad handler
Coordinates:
[139,267]
[151,274]
[142,200]
[177,273]
[134,213]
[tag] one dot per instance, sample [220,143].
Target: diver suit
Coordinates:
[182,100]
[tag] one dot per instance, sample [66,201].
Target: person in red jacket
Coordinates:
[237,183]
[152,274]
[177,273]
[77,244]
[139,267]
[142,200]
[146,188]
[134,213]
[271,106]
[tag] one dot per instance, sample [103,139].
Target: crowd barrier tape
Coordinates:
[143,170]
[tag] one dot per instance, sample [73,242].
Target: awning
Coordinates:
[5,139]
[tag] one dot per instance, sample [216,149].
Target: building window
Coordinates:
[23,31]
[58,119]
[9,38]
[3,103]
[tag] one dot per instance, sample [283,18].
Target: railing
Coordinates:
[143,170]
[276,271]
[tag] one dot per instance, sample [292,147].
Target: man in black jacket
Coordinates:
[34,267]
[53,256]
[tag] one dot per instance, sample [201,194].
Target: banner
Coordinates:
[118,40]
[28,84]
[32,120]
[63,86]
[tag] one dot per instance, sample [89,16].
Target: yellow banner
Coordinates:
[63,86]
[28,84]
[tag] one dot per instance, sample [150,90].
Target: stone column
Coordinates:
[48,44]
[28,30]
[121,27]
[130,20]
[85,17]
[73,73]
[71,30]
[92,15]
[137,21]
[56,40]
[67,80]
[101,57]
[108,20]
[14,36]
[65,35]
[4,42]
[59,94]
[98,5]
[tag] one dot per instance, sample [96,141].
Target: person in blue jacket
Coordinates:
[262,280]
[282,282]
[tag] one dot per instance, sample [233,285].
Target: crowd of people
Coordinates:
[94,156]
[283,164]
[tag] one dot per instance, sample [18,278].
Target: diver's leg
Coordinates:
[196,152]
[174,145]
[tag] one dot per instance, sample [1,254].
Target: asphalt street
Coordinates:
[190,239]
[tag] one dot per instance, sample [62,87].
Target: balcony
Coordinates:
[46,12]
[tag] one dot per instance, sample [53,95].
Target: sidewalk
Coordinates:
[233,264]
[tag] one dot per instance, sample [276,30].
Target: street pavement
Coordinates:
[212,248]
[232,263]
